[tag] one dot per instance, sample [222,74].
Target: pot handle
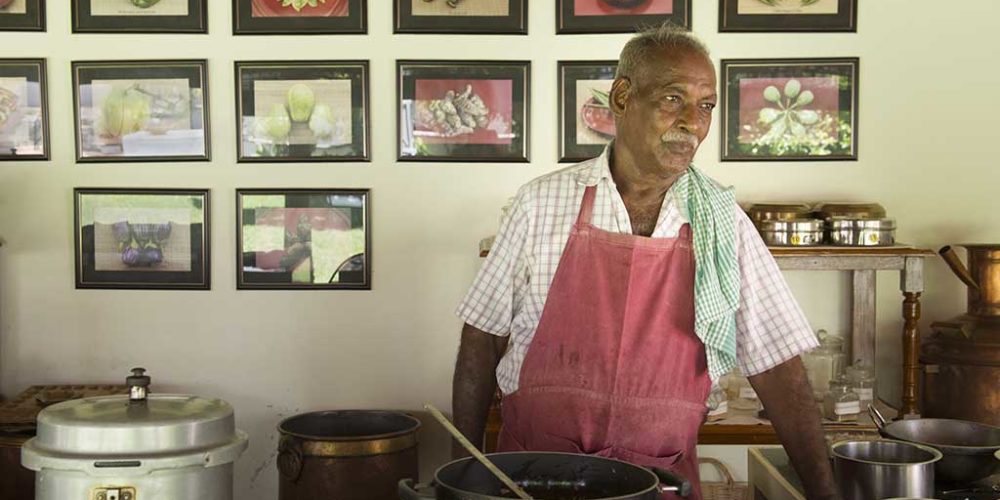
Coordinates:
[290,458]
[409,491]
[877,417]
[671,482]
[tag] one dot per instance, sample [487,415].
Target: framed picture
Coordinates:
[299,17]
[302,111]
[462,16]
[788,15]
[24,108]
[619,16]
[141,111]
[474,111]
[303,239]
[140,16]
[586,123]
[22,15]
[142,238]
[790,109]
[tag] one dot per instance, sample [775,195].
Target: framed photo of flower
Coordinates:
[619,16]
[788,15]
[586,123]
[22,15]
[470,111]
[24,122]
[303,239]
[141,111]
[790,109]
[461,16]
[142,238]
[140,16]
[302,111]
[300,17]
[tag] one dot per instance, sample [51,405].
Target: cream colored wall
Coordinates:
[928,135]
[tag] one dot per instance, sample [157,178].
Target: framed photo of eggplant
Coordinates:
[140,16]
[619,16]
[463,111]
[300,17]
[142,238]
[586,124]
[141,111]
[303,239]
[790,109]
[461,16]
[788,15]
[24,108]
[22,15]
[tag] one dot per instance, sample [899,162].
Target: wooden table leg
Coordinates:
[911,353]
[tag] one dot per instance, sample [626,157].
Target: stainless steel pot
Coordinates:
[884,469]
[796,232]
[862,232]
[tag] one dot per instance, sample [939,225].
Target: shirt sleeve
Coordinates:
[770,325]
[492,301]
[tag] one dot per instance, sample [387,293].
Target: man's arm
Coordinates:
[474,383]
[788,398]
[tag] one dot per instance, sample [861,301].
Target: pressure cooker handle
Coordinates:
[409,491]
[671,482]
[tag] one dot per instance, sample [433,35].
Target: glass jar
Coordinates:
[742,399]
[841,404]
[824,363]
[861,377]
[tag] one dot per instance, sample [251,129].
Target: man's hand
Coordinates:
[474,384]
[786,395]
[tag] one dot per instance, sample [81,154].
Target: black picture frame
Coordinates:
[502,139]
[607,18]
[789,17]
[822,125]
[128,18]
[32,18]
[406,21]
[283,251]
[121,253]
[355,22]
[24,107]
[584,120]
[150,128]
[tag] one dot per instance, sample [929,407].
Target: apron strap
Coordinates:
[587,206]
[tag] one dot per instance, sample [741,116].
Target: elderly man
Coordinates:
[620,289]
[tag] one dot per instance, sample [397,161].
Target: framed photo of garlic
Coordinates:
[302,111]
[508,17]
[463,111]
[300,17]
[586,124]
[140,16]
[303,239]
[130,111]
[142,238]
[22,15]
[790,109]
[24,122]
[788,15]
[619,16]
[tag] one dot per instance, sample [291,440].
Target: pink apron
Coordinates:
[615,368]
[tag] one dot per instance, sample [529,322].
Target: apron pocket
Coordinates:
[667,462]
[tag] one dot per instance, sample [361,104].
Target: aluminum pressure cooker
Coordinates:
[135,447]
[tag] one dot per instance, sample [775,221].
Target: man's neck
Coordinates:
[635,183]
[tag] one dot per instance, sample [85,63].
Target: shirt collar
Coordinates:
[596,170]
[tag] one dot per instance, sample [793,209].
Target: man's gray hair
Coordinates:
[635,55]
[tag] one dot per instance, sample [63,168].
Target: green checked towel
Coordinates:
[710,209]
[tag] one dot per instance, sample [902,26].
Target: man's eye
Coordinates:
[708,106]
[672,99]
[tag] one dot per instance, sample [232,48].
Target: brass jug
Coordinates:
[982,277]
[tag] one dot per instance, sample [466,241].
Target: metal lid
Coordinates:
[797,225]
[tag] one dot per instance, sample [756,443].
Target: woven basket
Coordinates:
[728,489]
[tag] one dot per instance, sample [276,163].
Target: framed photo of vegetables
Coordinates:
[24,122]
[303,239]
[22,15]
[462,16]
[586,123]
[788,15]
[141,111]
[302,111]
[140,16]
[619,16]
[300,17]
[790,109]
[468,111]
[142,238]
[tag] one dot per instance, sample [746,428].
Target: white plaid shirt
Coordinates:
[508,295]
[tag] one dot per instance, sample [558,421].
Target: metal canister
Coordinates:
[795,232]
[884,469]
[862,232]
[346,454]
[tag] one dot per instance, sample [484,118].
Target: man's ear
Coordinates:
[621,91]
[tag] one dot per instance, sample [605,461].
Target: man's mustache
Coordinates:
[674,136]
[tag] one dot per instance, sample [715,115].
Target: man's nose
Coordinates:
[687,121]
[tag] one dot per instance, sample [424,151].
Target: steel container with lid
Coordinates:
[794,232]
[862,232]
[135,447]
